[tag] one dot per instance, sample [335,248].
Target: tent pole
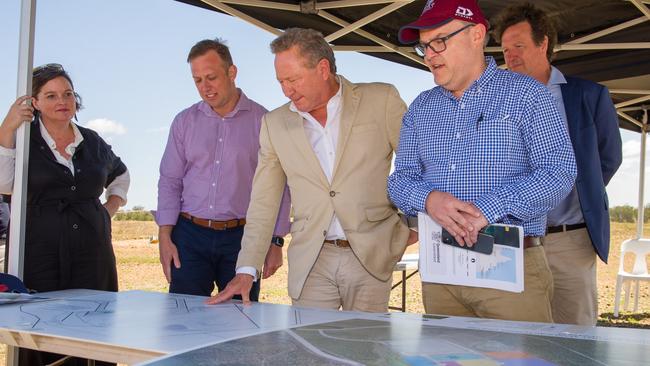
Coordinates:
[16,245]
[639,223]
[19,196]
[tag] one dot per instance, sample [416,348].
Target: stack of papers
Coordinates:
[446,264]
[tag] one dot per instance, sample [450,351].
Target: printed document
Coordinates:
[445,264]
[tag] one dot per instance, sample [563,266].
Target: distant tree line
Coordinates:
[137,213]
[625,213]
[628,213]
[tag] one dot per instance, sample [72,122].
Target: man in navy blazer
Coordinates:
[578,228]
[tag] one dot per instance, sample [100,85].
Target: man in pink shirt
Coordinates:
[206,175]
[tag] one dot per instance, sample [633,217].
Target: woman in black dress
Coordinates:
[68,230]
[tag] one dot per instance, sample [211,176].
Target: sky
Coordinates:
[127,59]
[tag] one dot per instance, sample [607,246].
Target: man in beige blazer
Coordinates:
[333,145]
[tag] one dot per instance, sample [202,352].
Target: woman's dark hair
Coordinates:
[44,73]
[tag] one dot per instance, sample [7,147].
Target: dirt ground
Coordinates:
[139,268]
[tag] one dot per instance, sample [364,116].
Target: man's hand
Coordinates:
[272,262]
[168,251]
[413,237]
[240,285]
[477,223]
[451,213]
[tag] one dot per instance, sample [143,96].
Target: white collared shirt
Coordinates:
[70,149]
[118,187]
[324,141]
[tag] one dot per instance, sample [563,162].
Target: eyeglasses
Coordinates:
[437,45]
[47,68]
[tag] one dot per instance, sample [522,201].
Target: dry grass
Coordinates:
[138,268]
[129,230]
[607,283]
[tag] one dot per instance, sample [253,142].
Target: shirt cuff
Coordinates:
[119,187]
[491,207]
[419,199]
[166,217]
[7,152]
[249,271]
[282,230]
[114,191]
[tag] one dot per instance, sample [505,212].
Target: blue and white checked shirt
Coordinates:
[502,146]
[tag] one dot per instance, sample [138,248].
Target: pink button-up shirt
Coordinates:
[209,162]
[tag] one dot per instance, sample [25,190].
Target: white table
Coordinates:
[136,326]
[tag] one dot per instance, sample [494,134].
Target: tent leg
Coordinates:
[16,244]
[639,223]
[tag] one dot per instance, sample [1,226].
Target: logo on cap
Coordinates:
[464,12]
[428,5]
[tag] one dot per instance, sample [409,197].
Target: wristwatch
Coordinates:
[277,240]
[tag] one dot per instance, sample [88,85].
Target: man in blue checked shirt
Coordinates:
[484,146]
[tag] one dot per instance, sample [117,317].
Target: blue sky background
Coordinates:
[127,60]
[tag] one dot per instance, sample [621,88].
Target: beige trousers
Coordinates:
[533,304]
[338,280]
[572,259]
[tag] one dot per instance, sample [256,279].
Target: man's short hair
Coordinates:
[540,23]
[217,45]
[311,45]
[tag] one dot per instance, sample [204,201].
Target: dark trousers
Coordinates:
[207,257]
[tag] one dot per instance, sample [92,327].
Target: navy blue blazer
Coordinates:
[593,128]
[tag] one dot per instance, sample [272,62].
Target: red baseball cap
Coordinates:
[440,12]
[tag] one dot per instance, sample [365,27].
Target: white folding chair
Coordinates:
[640,248]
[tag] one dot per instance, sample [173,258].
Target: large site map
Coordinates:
[385,342]
[182,330]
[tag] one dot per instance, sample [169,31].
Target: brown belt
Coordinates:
[214,225]
[532,241]
[339,243]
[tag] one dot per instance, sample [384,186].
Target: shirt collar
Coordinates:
[556,78]
[78,138]
[333,100]
[482,81]
[243,104]
[487,75]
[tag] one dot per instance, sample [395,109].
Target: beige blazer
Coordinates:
[369,133]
